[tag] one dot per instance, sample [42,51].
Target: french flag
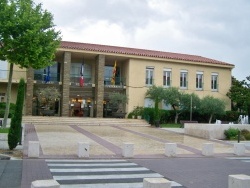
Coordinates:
[81,75]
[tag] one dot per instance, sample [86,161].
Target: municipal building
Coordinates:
[86,74]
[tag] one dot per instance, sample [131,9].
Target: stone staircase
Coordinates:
[53,120]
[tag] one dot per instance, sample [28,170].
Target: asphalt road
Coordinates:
[197,172]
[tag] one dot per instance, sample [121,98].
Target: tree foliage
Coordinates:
[27,37]
[47,96]
[118,100]
[212,106]
[180,101]
[156,93]
[239,94]
[14,135]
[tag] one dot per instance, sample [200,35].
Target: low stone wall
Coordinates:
[210,131]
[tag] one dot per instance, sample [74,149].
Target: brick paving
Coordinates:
[106,143]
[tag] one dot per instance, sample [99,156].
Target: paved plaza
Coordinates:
[106,167]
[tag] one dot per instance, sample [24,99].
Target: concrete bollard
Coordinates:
[208,149]
[128,150]
[83,149]
[239,149]
[170,149]
[238,181]
[156,183]
[33,149]
[45,184]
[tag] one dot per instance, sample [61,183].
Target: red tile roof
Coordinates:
[138,52]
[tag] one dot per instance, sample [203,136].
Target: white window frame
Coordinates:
[184,79]
[149,80]
[167,76]
[214,81]
[199,80]
[149,103]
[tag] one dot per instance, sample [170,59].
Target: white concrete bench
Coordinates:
[208,149]
[238,181]
[170,149]
[156,183]
[45,184]
[33,149]
[128,150]
[239,149]
[83,149]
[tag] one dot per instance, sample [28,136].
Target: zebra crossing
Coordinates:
[100,174]
[242,159]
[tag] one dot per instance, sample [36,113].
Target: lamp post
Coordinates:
[191,101]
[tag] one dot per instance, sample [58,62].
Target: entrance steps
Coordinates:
[53,120]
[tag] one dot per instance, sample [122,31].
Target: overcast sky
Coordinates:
[217,29]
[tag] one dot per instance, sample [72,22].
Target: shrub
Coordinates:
[244,132]
[2,109]
[247,136]
[14,135]
[231,133]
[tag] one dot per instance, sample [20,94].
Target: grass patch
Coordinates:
[4,130]
[170,125]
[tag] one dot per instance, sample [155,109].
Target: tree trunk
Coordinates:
[8,94]
[210,119]
[176,117]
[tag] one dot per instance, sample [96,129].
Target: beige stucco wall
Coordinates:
[136,87]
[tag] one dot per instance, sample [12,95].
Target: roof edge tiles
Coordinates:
[139,52]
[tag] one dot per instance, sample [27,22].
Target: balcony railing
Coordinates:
[75,80]
[44,78]
[119,82]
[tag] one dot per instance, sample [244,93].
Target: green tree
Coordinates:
[27,37]
[189,103]
[14,135]
[239,94]
[118,100]
[212,106]
[156,93]
[172,97]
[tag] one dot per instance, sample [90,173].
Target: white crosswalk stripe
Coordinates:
[243,159]
[100,174]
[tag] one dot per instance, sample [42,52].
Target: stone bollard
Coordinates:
[170,149]
[208,149]
[239,149]
[128,150]
[45,184]
[33,149]
[156,183]
[238,181]
[83,149]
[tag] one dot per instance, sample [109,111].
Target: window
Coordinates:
[148,103]
[3,69]
[199,80]
[183,79]
[214,81]
[2,95]
[149,76]
[167,77]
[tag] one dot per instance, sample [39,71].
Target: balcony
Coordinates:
[120,82]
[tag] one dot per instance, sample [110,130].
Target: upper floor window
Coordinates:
[214,81]
[149,75]
[199,80]
[183,79]
[167,77]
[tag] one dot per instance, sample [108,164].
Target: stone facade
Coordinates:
[99,84]
[65,84]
